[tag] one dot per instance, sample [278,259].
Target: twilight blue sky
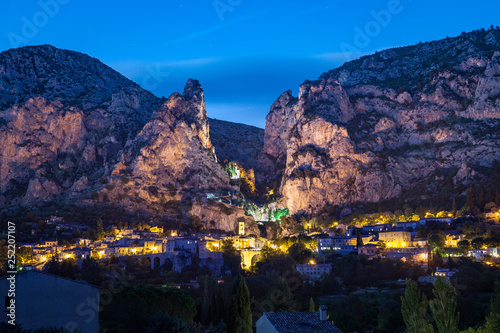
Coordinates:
[244,52]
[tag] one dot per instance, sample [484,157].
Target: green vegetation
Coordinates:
[136,307]
[280,212]
[241,315]
[443,306]
[414,309]
[231,168]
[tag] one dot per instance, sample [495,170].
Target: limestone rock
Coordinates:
[412,123]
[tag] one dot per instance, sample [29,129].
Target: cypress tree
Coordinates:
[481,201]
[99,230]
[218,309]
[359,240]
[493,319]
[454,207]
[241,319]
[312,307]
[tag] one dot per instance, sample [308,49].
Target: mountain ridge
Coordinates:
[382,125]
[389,126]
[76,132]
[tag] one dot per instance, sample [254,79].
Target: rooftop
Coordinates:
[307,322]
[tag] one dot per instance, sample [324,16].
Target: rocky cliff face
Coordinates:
[413,123]
[74,131]
[174,147]
[64,117]
[236,142]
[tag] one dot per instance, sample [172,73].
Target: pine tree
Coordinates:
[443,306]
[414,309]
[312,307]
[241,319]
[493,319]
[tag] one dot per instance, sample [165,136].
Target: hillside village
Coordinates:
[398,241]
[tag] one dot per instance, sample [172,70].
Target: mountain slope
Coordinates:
[64,116]
[414,123]
[236,142]
[77,133]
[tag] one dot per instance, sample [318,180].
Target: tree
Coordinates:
[381,245]
[481,201]
[471,200]
[231,256]
[408,211]
[76,233]
[312,307]
[99,233]
[443,306]
[134,306]
[339,232]
[454,207]
[218,311]
[241,319]
[53,266]
[477,243]
[282,297]
[221,327]
[436,239]
[161,322]
[299,253]
[490,207]
[389,317]
[493,319]
[420,211]
[463,245]
[92,271]
[414,309]
[208,288]
[67,268]
[359,240]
